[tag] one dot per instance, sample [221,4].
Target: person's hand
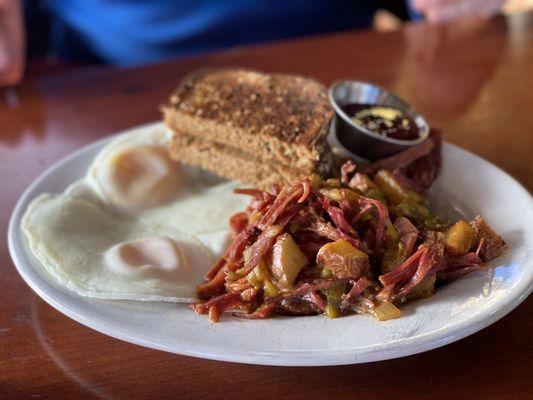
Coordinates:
[12,42]
[437,11]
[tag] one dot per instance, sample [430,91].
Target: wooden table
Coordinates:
[475,82]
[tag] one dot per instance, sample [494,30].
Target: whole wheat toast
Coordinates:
[275,118]
[231,163]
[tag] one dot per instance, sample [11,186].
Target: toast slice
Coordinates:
[230,162]
[277,118]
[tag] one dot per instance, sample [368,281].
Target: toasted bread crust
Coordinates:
[280,117]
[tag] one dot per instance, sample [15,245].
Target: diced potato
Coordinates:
[493,244]
[387,310]
[394,192]
[460,238]
[424,288]
[287,259]
[343,259]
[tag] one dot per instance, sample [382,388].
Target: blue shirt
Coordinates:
[127,32]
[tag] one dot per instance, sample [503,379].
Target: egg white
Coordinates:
[202,206]
[70,232]
[69,236]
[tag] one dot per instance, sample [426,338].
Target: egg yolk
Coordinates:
[140,177]
[152,257]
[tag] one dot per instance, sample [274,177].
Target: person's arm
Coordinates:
[436,11]
[12,42]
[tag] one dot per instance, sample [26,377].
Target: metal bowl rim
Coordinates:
[424,133]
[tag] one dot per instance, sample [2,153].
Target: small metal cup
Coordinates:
[355,138]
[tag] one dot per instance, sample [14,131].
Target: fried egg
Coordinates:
[98,254]
[138,226]
[136,173]
[158,190]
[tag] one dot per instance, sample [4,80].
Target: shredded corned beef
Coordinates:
[358,287]
[347,168]
[238,223]
[408,234]
[284,198]
[337,216]
[344,249]
[383,215]
[262,312]
[415,167]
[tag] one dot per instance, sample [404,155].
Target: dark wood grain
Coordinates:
[473,81]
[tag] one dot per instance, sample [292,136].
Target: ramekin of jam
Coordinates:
[371,122]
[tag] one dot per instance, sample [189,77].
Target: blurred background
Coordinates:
[37,36]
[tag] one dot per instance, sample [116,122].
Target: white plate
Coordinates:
[467,183]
